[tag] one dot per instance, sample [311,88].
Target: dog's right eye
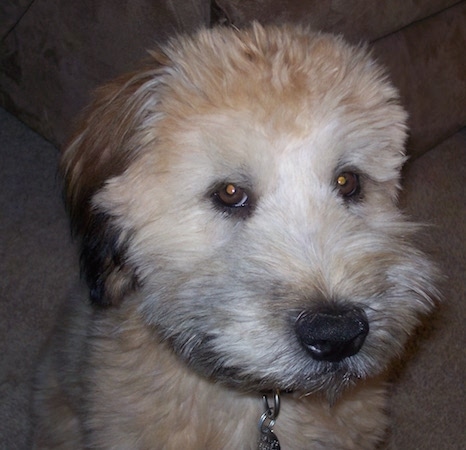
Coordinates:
[233,199]
[232,196]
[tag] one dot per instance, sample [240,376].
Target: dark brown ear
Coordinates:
[104,264]
[104,146]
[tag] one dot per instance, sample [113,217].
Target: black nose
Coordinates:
[332,333]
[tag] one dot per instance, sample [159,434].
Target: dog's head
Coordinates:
[242,190]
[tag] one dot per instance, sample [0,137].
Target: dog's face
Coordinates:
[242,191]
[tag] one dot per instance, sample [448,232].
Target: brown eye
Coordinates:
[348,184]
[232,196]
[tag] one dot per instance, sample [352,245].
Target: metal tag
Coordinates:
[268,440]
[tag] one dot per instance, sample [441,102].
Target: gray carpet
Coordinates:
[38,265]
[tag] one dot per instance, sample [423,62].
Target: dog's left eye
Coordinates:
[348,184]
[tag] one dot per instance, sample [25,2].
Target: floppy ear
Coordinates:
[107,141]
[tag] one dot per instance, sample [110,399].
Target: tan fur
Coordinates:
[199,302]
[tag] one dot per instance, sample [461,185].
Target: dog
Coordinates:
[249,275]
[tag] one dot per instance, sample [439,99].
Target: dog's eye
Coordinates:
[348,184]
[232,196]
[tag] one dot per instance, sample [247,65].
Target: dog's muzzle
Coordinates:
[332,333]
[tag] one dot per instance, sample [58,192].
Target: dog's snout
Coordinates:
[332,334]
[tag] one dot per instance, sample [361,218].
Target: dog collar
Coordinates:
[268,439]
